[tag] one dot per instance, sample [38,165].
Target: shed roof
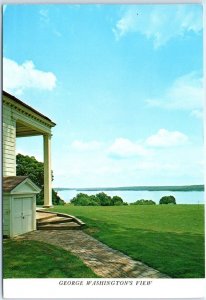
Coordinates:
[10,182]
[16,100]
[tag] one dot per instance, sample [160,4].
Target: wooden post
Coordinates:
[47,171]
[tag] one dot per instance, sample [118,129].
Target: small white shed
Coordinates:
[19,205]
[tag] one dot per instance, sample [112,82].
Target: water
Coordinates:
[131,196]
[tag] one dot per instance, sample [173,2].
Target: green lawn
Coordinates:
[169,238]
[32,259]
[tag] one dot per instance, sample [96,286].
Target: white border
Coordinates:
[140,288]
[160,288]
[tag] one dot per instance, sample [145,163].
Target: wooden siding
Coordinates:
[6,215]
[9,142]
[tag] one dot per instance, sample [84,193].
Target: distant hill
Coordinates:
[181,188]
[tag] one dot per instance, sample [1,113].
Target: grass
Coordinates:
[169,238]
[32,259]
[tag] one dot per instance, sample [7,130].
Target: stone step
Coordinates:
[55,220]
[44,216]
[59,226]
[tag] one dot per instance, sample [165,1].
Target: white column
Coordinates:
[47,171]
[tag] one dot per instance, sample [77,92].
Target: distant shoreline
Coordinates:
[182,188]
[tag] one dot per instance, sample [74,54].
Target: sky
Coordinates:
[123,83]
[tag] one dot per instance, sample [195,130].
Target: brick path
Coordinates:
[104,261]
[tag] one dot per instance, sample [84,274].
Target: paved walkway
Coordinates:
[104,261]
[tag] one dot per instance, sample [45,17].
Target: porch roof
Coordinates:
[17,101]
[29,121]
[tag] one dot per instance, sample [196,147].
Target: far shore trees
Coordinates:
[168,200]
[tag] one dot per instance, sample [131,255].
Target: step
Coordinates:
[55,220]
[59,226]
[44,216]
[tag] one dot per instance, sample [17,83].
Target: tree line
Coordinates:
[102,199]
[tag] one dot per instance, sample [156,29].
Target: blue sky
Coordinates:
[122,82]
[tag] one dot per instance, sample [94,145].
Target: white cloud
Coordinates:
[158,159]
[124,148]
[44,13]
[86,146]
[160,23]
[197,113]
[126,24]
[165,138]
[17,78]
[166,166]
[185,93]
[57,33]
[48,23]
[156,166]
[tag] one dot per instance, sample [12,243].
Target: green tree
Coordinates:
[29,166]
[85,200]
[143,202]
[116,200]
[104,199]
[167,200]
[56,200]
[96,200]
[81,200]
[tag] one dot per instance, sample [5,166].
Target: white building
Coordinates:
[21,120]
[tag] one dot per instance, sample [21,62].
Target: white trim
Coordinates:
[29,182]
[22,110]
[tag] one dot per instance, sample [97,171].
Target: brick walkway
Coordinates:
[104,261]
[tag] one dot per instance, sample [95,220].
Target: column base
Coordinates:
[48,206]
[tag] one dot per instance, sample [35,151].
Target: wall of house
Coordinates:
[9,142]
[6,215]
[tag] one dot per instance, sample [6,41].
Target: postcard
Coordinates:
[103,150]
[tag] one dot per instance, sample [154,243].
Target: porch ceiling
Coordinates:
[23,130]
[29,122]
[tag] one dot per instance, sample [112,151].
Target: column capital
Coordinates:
[47,135]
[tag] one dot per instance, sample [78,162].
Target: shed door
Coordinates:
[23,215]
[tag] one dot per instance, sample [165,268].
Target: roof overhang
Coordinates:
[16,185]
[29,122]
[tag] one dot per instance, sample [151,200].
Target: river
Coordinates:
[196,197]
